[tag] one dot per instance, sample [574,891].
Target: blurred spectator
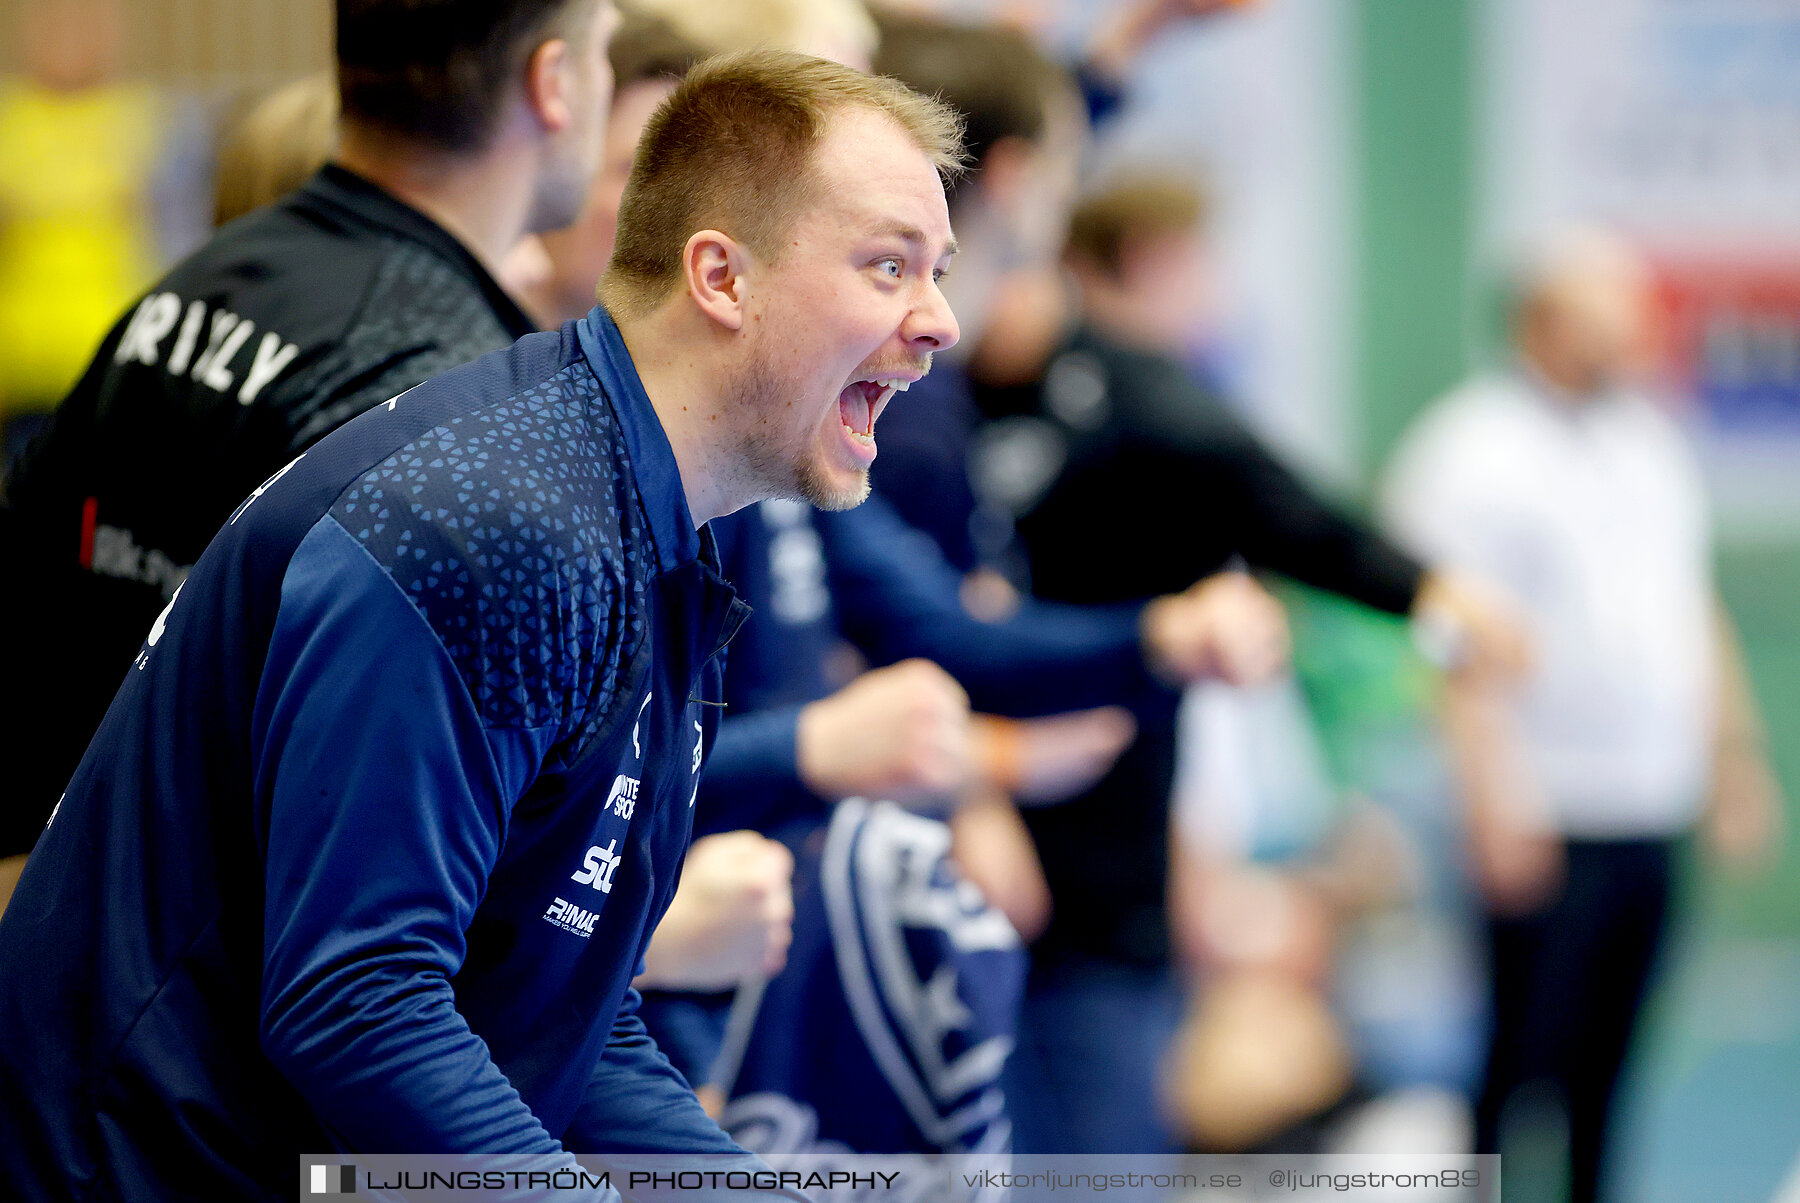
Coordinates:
[657,41]
[648,58]
[1025,134]
[271,149]
[1123,34]
[839,30]
[902,732]
[376,274]
[1124,434]
[1561,480]
[78,152]
[1137,250]
[1270,868]
[1113,442]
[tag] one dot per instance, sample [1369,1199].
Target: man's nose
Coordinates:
[931,326]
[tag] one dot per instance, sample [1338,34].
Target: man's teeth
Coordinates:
[889,387]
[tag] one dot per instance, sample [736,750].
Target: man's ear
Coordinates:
[547,84]
[716,269]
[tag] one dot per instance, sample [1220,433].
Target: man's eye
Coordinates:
[890,267]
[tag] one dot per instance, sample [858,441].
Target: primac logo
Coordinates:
[570,917]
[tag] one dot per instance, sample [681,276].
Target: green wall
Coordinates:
[1413,80]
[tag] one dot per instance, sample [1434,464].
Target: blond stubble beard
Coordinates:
[771,469]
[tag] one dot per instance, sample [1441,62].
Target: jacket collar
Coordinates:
[652,457]
[339,188]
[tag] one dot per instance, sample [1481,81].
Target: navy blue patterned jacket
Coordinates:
[370,843]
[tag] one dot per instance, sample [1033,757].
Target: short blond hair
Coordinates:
[733,149]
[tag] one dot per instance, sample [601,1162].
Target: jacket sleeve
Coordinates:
[636,1102]
[382,804]
[1284,525]
[896,597]
[640,1115]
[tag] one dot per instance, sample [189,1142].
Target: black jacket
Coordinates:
[1129,480]
[288,323]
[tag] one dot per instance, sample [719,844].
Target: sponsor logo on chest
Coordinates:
[601,862]
[622,798]
[597,867]
[571,918]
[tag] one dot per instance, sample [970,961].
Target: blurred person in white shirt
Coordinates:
[1562,481]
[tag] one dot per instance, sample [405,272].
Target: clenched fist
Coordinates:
[1226,626]
[899,733]
[732,916]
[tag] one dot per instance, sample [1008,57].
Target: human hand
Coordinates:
[1226,626]
[1465,625]
[1515,846]
[1168,11]
[1240,916]
[899,733]
[1745,817]
[1746,814]
[732,916]
[1518,868]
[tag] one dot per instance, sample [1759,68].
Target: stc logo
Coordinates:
[597,867]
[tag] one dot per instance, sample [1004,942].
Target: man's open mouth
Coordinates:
[862,401]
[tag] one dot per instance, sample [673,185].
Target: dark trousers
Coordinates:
[1567,985]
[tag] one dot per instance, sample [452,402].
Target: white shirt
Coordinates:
[1594,517]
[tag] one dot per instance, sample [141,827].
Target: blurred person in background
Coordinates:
[657,42]
[79,150]
[1273,871]
[839,30]
[1123,434]
[1119,428]
[273,146]
[649,57]
[1562,480]
[795,748]
[461,131]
